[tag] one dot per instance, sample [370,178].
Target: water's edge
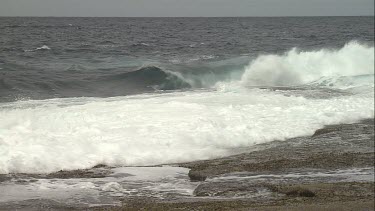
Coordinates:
[333,166]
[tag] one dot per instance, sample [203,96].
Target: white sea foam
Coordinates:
[124,182]
[44,47]
[50,135]
[347,175]
[298,67]
[348,67]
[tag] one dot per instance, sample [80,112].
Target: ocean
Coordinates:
[79,92]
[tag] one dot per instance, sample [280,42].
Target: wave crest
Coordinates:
[298,67]
[152,76]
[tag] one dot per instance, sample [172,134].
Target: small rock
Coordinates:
[325,131]
[196,176]
[300,192]
[99,166]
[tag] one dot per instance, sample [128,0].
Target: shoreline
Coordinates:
[302,152]
[322,172]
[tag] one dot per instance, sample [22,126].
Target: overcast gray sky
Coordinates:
[185,8]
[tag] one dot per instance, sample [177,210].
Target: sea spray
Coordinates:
[301,67]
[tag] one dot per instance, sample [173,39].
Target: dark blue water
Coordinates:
[71,57]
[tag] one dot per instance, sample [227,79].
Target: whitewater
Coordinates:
[277,97]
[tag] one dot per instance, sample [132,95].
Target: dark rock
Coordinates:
[81,173]
[300,192]
[99,166]
[325,131]
[196,176]
[230,189]
[5,177]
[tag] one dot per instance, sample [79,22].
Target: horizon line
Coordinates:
[286,16]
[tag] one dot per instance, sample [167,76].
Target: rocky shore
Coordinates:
[331,170]
[333,148]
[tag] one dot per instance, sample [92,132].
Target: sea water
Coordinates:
[78,92]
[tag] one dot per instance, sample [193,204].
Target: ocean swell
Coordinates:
[152,76]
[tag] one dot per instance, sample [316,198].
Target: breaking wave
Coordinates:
[299,67]
[349,67]
[41,136]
